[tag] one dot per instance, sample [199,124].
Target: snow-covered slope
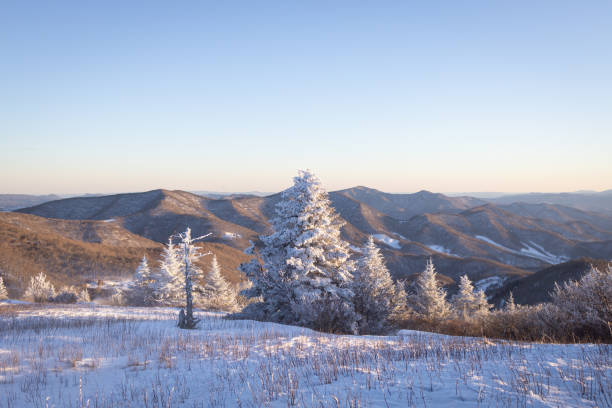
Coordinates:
[105,356]
[533,251]
[392,242]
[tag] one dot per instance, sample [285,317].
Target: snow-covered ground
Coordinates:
[231,235]
[534,251]
[387,240]
[355,249]
[100,356]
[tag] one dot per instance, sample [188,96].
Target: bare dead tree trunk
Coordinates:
[186,318]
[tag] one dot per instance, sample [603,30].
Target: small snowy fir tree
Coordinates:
[510,317]
[40,289]
[470,305]
[141,290]
[190,254]
[219,295]
[171,291]
[3,291]
[303,274]
[482,307]
[377,299]
[429,300]
[510,305]
[83,296]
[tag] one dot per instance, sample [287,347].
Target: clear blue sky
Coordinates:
[114,96]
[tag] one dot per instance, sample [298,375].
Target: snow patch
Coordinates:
[440,248]
[538,252]
[490,241]
[488,283]
[14,302]
[110,220]
[393,243]
[355,249]
[231,235]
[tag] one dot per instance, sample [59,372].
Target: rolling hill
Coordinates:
[73,252]
[10,202]
[588,201]
[536,288]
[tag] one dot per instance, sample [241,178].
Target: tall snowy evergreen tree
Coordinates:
[305,274]
[218,293]
[468,303]
[3,291]
[429,301]
[377,299]
[190,254]
[171,291]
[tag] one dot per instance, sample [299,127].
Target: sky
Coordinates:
[448,96]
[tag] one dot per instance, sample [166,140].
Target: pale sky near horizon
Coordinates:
[116,96]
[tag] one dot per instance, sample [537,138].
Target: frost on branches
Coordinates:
[218,294]
[142,289]
[171,291]
[40,289]
[470,305]
[377,299]
[586,305]
[429,299]
[303,274]
[3,291]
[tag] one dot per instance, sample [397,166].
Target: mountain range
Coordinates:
[495,242]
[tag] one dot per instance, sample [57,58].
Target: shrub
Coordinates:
[40,289]
[66,295]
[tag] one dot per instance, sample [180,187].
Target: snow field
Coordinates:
[102,356]
[538,252]
[440,248]
[387,240]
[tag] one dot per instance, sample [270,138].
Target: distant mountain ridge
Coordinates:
[405,206]
[461,234]
[597,202]
[10,202]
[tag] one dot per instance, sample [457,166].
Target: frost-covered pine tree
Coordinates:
[190,254]
[510,305]
[468,303]
[303,274]
[377,298]
[172,280]
[429,299]
[3,291]
[464,299]
[482,307]
[40,289]
[219,295]
[141,290]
